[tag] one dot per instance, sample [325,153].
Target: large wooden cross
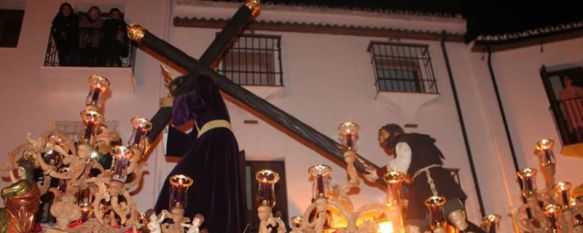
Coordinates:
[234,92]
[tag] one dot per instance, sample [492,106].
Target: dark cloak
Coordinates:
[212,161]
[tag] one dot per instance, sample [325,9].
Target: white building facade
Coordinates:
[327,77]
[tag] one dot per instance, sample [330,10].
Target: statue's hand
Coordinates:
[372,175]
[408,179]
[166,101]
[50,170]
[349,156]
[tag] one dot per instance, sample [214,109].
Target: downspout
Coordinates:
[462,125]
[502,112]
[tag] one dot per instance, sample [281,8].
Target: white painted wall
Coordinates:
[328,79]
[526,104]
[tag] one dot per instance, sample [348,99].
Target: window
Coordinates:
[10,25]
[402,67]
[255,60]
[564,89]
[280,209]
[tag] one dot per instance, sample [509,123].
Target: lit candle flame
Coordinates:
[386,227]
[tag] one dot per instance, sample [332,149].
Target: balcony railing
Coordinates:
[570,119]
[88,56]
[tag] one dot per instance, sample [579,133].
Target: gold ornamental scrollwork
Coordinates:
[136,32]
[254,6]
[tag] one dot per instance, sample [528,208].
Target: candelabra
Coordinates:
[348,134]
[141,126]
[332,211]
[328,214]
[323,214]
[179,185]
[266,200]
[435,205]
[395,203]
[86,190]
[491,223]
[92,119]
[551,209]
[98,85]
[121,160]
[544,152]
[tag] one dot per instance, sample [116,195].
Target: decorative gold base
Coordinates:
[575,150]
[53,230]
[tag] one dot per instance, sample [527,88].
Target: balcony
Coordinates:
[569,120]
[69,76]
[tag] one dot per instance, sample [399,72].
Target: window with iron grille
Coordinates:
[402,67]
[255,60]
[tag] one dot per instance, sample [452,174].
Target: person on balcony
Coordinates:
[90,37]
[65,32]
[571,98]
[417,156]
[115,41]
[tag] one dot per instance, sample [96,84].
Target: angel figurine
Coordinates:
[154,224]
[195,226]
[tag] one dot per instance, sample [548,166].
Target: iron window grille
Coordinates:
[402,67]
[255,60]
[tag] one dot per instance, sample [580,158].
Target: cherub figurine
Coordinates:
[21,200]
[268,222]
[317,225]
[66,211]
[276,222]
[134,222]
[195,226]
[154,222]
[353,179]
[110,190]
[178,218]
[321,205]
[296,224]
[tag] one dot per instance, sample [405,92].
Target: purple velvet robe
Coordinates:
[212,161]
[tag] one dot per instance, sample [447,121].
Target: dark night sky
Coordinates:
[498,17]
[484,17]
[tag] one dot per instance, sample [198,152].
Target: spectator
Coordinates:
[90,37]
[115,40]
[65,33]
[571,98]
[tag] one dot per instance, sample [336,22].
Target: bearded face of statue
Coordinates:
[383,138]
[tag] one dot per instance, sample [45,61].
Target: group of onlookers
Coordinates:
[92,40]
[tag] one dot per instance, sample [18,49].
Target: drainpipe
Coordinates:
[462,124]
[502,112]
